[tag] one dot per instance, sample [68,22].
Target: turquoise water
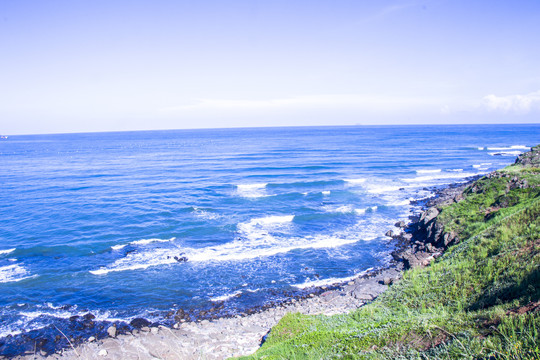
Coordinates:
[93,222]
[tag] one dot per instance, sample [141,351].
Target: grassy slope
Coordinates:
[479,300]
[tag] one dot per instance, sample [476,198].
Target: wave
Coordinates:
[118,247]
[354,181]
[40,317]
[363,211]
[506,153]
[251,190]
[382,188]
[481,148]
[326,192]
[257,238]
[225,297]
[7,251]
[434,171]
[441,176]
[149,241]
[329,281]
[206,215]
[11,273]
[513,147]
[455,170]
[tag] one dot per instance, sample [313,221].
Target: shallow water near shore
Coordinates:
[134,224]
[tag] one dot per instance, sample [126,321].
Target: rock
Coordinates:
[154,330]
[89,316]
[112,331]
[145,329]
[429,215]
[139,323]
[400,224]
[364,297]
[102,352]
[388,281]
[389,233]
[91,339]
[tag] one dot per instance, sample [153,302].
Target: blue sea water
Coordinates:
[93,222]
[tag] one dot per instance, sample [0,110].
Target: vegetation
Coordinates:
[480,300]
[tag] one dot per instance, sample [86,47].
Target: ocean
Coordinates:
[138,224]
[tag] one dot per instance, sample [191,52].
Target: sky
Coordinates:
[113,65]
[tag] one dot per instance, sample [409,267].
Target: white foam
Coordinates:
[226,296]
[456,170]
[382,188]
[326,192]
[329,281]
[256,238]
[482,165]
[149,241]
[344,209]
[513,147]
[441,176]
[203,214]
[118,247]
[7,251]
[251,190]
[363,211]
[400,202]
[481,148]
[15,272]
[434,171]
[355,181]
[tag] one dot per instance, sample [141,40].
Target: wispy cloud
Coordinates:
[520,103]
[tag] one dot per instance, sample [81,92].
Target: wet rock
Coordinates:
[91,339]
[400,224]
[89,316]
[389,233]
[139,323]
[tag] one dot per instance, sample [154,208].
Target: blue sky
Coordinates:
[105,65]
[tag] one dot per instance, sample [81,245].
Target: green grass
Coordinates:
[469,304]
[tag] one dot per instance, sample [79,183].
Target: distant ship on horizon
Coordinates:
[3,137]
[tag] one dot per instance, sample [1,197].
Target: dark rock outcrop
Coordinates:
[530,158]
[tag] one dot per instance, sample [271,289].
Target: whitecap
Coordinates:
[206,215]
[15,272]
[251,190]
[382,188]
[7,251]
[363,211]
[481,148]
[513,147]
[118,247]
[428,171]
[329,281]
[326,192]
[226,296]
[149,241]
[355,181]
[441,176]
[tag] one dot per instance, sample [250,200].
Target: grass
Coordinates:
[480,300]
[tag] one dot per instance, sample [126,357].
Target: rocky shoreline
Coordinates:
[417,244]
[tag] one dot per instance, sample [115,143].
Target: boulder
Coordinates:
[112,331]
[139,323]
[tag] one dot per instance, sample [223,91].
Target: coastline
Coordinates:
[225,337]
